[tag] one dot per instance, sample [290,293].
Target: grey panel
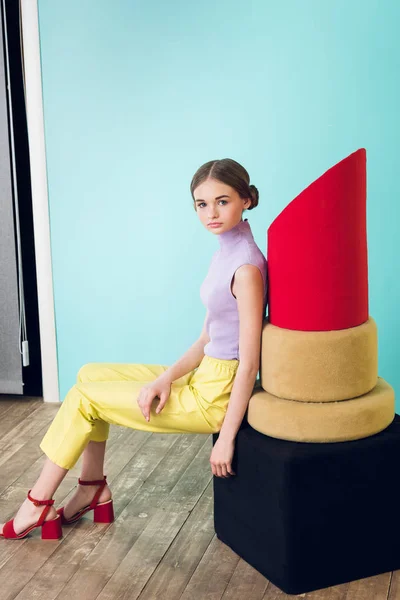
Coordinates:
[10,357]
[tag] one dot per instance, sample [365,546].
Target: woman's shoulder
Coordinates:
[251,253]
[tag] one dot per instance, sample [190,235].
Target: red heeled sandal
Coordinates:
[103,512]
[51,529]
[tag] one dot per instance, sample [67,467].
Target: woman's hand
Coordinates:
[160,388]
[221,457]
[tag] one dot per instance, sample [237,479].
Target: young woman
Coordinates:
[205,391]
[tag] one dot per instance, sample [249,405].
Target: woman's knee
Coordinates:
[78,399]
[86,373]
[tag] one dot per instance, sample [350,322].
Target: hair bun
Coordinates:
[254,196]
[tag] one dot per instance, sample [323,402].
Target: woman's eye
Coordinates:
[200,203]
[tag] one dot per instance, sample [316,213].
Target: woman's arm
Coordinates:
[190,360]
[248,288]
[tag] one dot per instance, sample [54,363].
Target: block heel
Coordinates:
[52,530]
[104,513]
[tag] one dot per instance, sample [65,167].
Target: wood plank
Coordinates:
[5,404]
[19,461]
[39,415]
[13,495]
[37,422]
[274,593]
[26,470]
[159,530]
[17,414]
[80,538]
[394,589]
[150,519]
[172,574]
[27,427]
[132,440]
[376,587]
[246,582]
[162,544]
[213,572]
[19,458]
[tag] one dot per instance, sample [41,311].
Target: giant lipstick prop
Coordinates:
[319,354]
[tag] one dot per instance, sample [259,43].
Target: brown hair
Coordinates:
[231,173]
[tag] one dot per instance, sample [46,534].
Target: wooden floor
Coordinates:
[162,543]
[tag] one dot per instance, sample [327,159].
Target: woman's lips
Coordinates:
[214,224]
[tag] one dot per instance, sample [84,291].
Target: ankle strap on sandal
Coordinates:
[101,483]
[40,502]
[95,482]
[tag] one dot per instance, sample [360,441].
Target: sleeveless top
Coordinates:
[237,248]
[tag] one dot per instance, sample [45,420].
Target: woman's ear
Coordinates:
[247,203]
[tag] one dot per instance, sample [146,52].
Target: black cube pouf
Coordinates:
[309,516]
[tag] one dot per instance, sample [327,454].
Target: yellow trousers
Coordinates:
[107,393]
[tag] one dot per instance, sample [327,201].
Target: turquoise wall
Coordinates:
[137,95]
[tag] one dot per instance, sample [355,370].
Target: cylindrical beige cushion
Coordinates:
[319,366]
[322,421]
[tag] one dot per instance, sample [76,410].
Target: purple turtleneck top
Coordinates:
[237,248]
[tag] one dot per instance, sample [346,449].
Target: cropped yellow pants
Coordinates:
[107,393]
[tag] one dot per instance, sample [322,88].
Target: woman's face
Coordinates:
[216,202]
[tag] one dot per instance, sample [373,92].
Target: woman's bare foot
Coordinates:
[83,496]
[28,514]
